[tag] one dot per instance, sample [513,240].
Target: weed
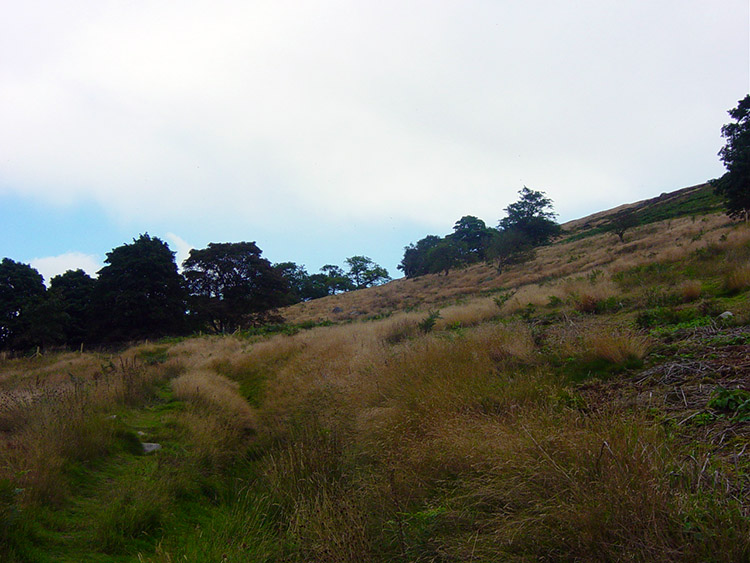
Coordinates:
[502,298]
[428,323]
[731,401]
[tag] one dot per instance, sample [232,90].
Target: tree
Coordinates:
[531,215]
[363,272]
[21,293]
[734,186]
[474,235]
[623,221]
[316,286]
[303,286]
[445,256]
[233,287]
[510,247]
[74,289]
[138,294]
[415,262]
[296,278]
[336,279]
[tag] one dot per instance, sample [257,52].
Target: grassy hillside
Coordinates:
[590,405]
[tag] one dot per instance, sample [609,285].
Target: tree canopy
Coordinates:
[21,293]
[734,186]
[531,215]
[363,272]
[138,294]
[73,291]
[473,237]
[232,287]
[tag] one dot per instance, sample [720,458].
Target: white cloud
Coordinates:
[361,111]
[51,266]
[179,247]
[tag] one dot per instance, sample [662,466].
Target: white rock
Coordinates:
[149,447]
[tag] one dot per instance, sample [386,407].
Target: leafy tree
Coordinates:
[74,289]
[42,324]
[316,286]
[363,272]
[232,286]
[474,236]
[415,262]
[21,292]
[296,278]
[510,247]
[623,221]
[734,186]
[336,279]
[138,294]
[445,256]
[531,215]
[303,286]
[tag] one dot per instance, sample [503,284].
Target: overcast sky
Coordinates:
[324,129]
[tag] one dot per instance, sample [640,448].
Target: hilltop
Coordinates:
[683,219]
[591,404]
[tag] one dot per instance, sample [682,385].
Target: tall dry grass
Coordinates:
[669,240]
[70,418]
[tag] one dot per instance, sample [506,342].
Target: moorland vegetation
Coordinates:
[590,403]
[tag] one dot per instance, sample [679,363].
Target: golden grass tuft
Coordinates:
[215,392]
[738,279]
[617,346]
[690,290]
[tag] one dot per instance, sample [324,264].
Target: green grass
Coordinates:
[700,202]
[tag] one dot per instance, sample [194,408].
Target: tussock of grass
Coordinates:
[737,280]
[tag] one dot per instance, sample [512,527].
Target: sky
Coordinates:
[327,129]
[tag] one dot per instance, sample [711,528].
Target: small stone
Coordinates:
[337,310]
[149,447]
[141,433]
[726,315]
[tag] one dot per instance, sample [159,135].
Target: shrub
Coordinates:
[428,323]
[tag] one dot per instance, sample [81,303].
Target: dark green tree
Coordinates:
[21,293]
[363,272]
[415,262]
[734,186]
[296,278]
[510,247]
[336,279]
[316,286]
[474,236]
[531,215]
[445,256]
[138,294]
[303,286]
[233,287]
[74,289]
[622,222]
[42,324]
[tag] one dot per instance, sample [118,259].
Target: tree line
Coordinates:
[529,223]
[141,294]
